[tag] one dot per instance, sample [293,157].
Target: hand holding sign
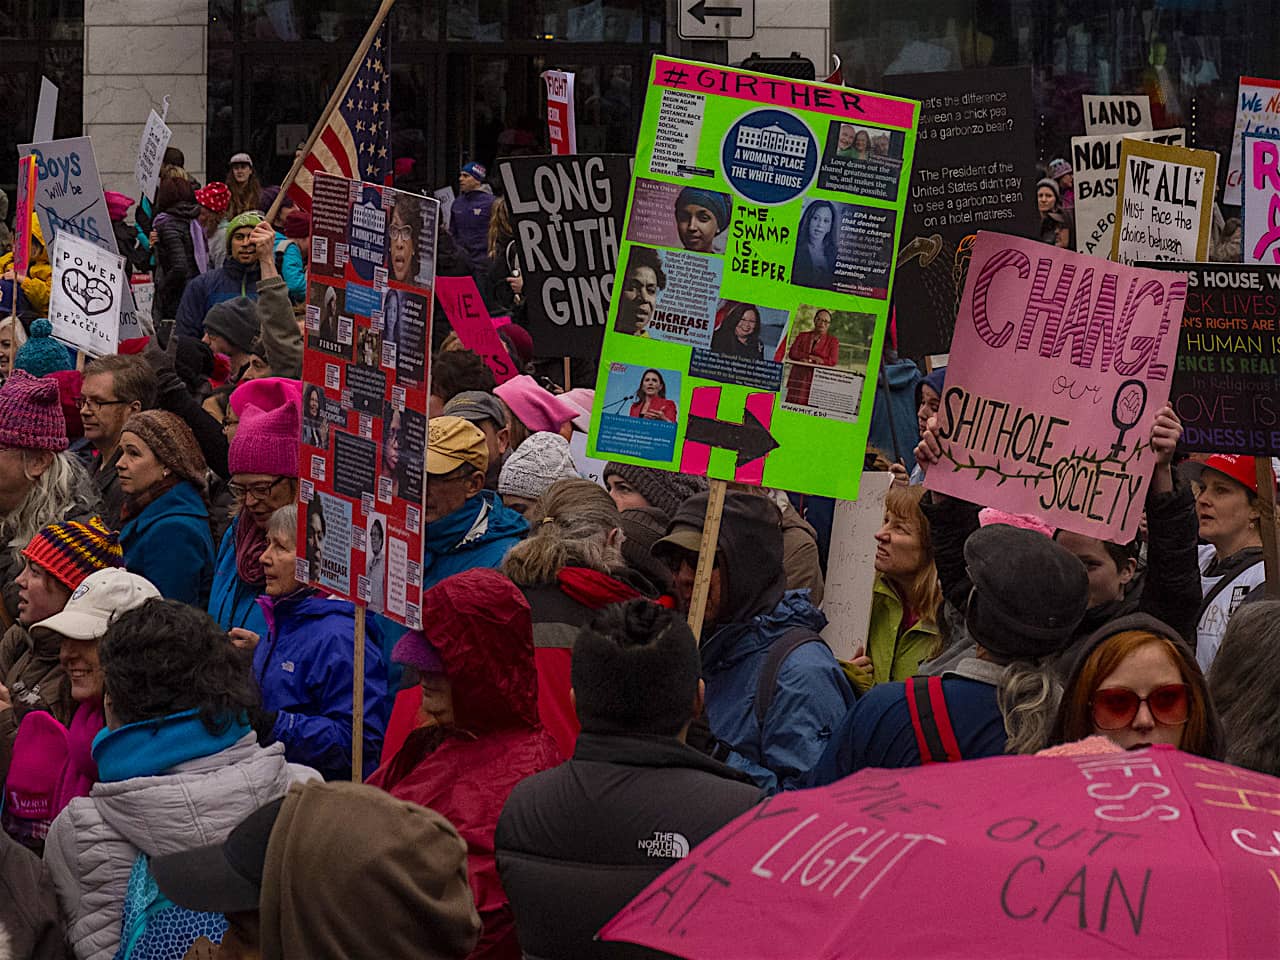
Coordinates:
[92,295]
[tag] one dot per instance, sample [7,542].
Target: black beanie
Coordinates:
[236,321]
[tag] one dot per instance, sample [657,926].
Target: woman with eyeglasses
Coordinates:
[165,536]
[1138,684]
[264,477]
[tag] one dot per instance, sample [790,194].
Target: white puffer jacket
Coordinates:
[93,844]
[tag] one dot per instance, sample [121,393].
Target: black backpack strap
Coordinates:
[1237,565]
[782,648]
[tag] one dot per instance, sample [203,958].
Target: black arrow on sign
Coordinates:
[700,11]
[750,439]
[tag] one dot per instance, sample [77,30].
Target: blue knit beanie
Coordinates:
[42,354]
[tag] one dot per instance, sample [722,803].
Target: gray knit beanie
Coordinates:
[662,488]
[535,465]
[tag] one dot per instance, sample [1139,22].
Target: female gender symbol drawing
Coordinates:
[1126,411]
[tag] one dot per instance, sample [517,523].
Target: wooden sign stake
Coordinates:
[706,556]
[357,701]
[1267,523]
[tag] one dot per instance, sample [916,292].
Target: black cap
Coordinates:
[225,877]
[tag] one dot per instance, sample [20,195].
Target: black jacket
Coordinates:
[175,258]
[575,844]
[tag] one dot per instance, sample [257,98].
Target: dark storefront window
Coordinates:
[1187,55]
[465,76]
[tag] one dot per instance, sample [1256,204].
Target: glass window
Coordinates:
[220,130]
[478,20]
[282,94]
[588,21]
[64,65]
[222,20]
[415,20]
[304,19]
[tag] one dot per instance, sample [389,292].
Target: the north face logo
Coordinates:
[673,846]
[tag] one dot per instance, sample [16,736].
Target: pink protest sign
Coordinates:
[1151,853]
[22,217]
[465,310]
[1059,364]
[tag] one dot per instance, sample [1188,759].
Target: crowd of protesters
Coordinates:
[176,707]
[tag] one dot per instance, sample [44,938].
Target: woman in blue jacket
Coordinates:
[165,536]
[303,665]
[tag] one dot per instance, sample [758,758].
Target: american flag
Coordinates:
[356,143]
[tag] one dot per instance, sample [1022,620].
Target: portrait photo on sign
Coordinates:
[405,322]
[821,337]
[743,346]
[328,549]
[411,242]
[318,416]
[863,160]
[669,295]
[844,247]
[671,215]
[368,347]
[326,329]
[375,561]
[641,407]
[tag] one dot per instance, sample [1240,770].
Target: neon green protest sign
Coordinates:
[752,291]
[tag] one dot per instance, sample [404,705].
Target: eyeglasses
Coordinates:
[89,403]
[259,491]
[401,231]
[1115,707]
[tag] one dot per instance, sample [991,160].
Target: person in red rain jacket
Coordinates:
[481,733]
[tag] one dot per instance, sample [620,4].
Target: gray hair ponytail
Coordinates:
[569,526]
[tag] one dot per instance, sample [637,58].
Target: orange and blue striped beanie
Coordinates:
[72,550]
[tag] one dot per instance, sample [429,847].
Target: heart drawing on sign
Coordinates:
[91,294]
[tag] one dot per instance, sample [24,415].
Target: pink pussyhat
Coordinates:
[1024,521]
[269,436]
[535,407]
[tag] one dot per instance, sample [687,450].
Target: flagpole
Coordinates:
[334,101]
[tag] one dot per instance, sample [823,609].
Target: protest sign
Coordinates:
[1224,386]
[1096,163]
[757,260]
[851,569]
[85,296]
[561,126]
[1257,111]
[22,216]
[1059,364]
[464,309]
[155,138]
[143,288]
[1116,114]
[1164,207]
[567,213]
[46,111]
[364,414]
[975,168]
[1260,193]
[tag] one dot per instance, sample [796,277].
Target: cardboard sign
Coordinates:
[22,216]
[1260,211]
[1164,208]
[46,111]
[1058,366]
[84,301]
[568,215]
[364,402]
[1096,163]
[464,309]
[155,139]
[975,168]
[1116,114]
[746,325]
[562,129]
[1224,386]
[1257,111]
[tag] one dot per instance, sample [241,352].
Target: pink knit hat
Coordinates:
[1024,521]
[535,407]
[270,430]
[31,414]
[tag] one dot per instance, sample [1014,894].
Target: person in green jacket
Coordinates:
[906,597]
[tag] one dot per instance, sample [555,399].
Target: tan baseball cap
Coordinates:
[453,441]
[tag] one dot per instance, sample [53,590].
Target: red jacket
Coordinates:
[481,629]
[666,409]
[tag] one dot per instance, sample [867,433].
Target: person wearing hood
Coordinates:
[1027,598]
[304,665]
[237,277]
[469,215]
[178,242]
[230,329]
[54,564]
[928,399]
[178,767]
[287,875]
[264,477]
[166,536]
[482,734]
[897,398]
[36,285]
[1136,682]
[775,692]
[467,525]
[577,843]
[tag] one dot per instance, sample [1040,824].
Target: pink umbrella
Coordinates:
[1154,853]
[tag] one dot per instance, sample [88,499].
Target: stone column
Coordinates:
[136,52]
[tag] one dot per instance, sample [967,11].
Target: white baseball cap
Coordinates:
[100,598]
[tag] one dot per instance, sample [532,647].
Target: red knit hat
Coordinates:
[71,551]
[297,224]
[31,414]
[216,197]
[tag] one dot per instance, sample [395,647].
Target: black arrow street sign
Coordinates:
[700,11]
[750,439]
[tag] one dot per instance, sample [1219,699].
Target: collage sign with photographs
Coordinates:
[364,401]
[752,292]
